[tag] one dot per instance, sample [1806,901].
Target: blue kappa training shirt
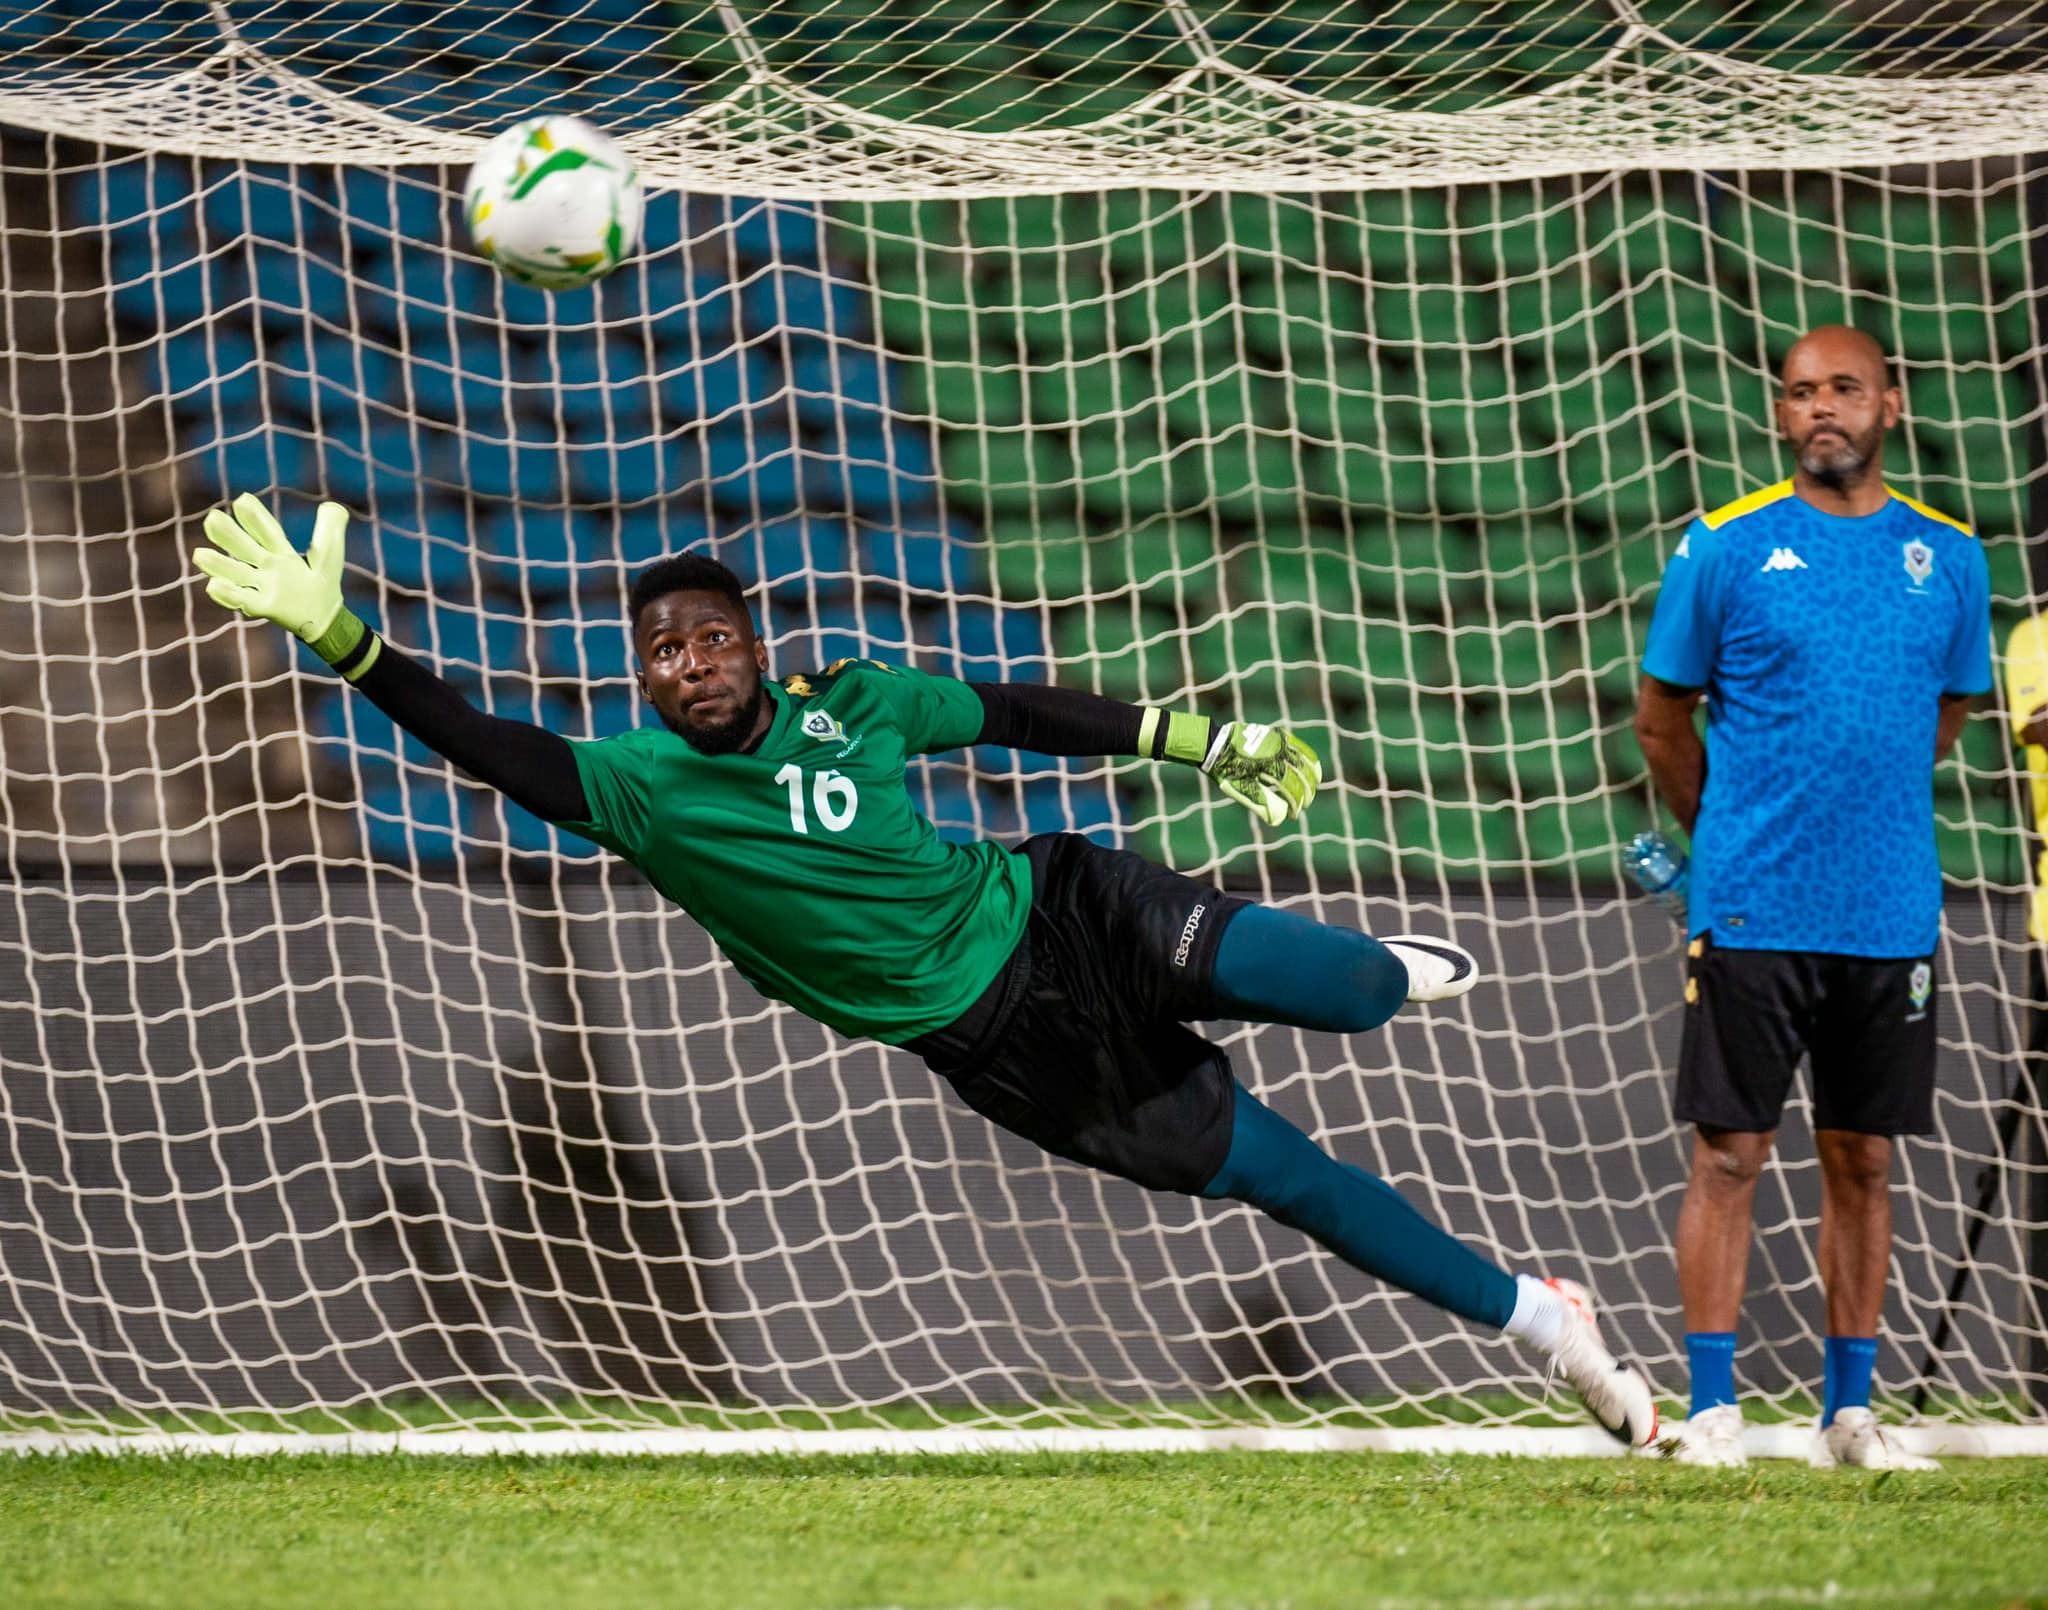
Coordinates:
[1824,644]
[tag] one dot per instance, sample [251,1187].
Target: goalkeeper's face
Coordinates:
[701,667]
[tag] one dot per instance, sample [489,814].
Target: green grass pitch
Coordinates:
[1120,1532]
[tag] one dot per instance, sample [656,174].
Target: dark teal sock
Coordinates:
[1281,967]
[1364,1220]
[1710,1356]
[1847,1364]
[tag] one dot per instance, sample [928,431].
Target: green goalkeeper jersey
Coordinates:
[805,859]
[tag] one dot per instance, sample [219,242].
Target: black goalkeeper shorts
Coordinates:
[1866,1025]
[1081,1044]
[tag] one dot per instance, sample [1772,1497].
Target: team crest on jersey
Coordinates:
[1919,986]
[819,725]
[1919,563]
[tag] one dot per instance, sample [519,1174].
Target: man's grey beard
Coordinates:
[1841,460]
[726,737]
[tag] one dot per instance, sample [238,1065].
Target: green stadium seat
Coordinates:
[911,322]
[1169,557]
[1390,754]
[965,393]
[1332,410]
[1053,561]
[1611,651]
[1498,655]
[1006,470]
[1583,837]
[1089,390]
[1411,314]
[1454,841]
[1136,656]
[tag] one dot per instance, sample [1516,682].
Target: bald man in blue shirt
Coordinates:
[1837,630]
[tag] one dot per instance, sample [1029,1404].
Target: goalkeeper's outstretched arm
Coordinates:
[1268,770]
[257,571]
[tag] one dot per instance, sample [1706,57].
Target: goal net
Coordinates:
[1259,359]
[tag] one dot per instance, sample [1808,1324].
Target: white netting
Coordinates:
[331,1087]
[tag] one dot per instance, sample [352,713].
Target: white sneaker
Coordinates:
[1437,969]
[1711,1437]
[1856,1441]
[1613,1393]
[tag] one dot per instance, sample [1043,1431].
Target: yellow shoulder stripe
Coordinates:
[1761,498]
[1933,514]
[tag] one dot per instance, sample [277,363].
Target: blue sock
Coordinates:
[1848,1364]
[1710,1356]
[1281,967]
[1364,1220]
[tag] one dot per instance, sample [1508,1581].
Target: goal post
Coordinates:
[1248,358]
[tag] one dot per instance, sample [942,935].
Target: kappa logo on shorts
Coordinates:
[1187,936]
[1919,986]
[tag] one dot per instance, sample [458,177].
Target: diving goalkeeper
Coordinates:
[1050,985]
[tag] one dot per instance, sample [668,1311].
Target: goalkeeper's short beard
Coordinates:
[721,737]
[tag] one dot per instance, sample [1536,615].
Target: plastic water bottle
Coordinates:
[1659,868]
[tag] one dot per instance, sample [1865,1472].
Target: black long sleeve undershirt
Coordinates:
[537,769]
[527,764]
[1056,721]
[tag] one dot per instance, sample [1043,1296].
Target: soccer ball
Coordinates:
[554,203]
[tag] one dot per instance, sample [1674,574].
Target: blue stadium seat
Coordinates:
[633,472]
[378,204]
[796,300]
[256,199]
[929,558]
[951,802]
[874,629]
[186,367]
[551,537]
[836,381]
[526,467]
[374,468]
[795,555]
[318,380]
[873,475]
[440,563]
[462,382]
[182,292]
[149,195]
[717,389]
[352,374]
[289,284]
[989,643]
[654,531]
[585,651]
[690,309]
[598,711]
[757,474]
[351,728]
[779,231]
[591,381]
[436,283]
[225,463]
[462,643]
[411,823]
[494,823]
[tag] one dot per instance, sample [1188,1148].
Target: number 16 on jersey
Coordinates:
[833,799]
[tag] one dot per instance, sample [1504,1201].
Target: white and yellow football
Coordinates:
[553,203]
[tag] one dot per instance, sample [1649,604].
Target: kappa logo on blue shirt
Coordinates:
[1785,559]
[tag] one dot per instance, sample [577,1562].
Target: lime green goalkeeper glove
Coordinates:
[257,571]
[1266,769]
